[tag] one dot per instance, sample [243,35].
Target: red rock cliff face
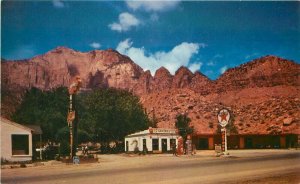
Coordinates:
[182,78]
[143,85]
[56,68]
[263,94]
[263,72]
[201,84]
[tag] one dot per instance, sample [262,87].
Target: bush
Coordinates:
[57,157]
[64,148]
[4,161]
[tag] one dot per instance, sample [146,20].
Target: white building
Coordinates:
[156,140]
[16,141]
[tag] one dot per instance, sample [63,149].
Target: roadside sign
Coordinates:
[76,160]
[218,148]
[223,117]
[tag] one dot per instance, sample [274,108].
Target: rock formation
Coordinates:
[263,95]
[56,68]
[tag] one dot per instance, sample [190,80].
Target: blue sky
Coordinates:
[206,36]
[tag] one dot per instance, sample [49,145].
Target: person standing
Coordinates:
[174,149]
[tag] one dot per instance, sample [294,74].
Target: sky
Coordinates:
[209,37]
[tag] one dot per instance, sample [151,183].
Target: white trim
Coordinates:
[21,155]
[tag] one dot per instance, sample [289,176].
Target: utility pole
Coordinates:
[72,115]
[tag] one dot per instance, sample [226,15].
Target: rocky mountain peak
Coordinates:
[183,77]
[162,80]
[62,49]
[162,72]
[183,71]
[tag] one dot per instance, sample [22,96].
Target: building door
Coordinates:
[203,143]
[164,146]
[248,142]
[155,144]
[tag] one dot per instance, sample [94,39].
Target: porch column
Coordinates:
[282,141]
[159,145]
[211,143]
[242,143]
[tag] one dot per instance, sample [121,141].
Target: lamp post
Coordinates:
[72,117]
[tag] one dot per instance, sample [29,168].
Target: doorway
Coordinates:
[203,143]
[164,146]
[248,142]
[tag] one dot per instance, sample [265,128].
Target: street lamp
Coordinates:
[72,120]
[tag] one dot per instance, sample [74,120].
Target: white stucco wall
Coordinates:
[149,137]
[7,130]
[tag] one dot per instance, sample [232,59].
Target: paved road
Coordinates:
[274,166]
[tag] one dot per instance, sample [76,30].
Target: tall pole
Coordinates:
[225,142]
[71,127]
[223,118]
[72,116]
[75,123]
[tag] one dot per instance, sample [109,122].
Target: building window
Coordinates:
[155,144]
[20,144]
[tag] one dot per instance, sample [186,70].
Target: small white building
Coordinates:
[156,140]
[16,141]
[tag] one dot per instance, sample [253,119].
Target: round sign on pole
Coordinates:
[223,117]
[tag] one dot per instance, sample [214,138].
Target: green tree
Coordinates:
[47,109]
[103,114]
[183,125]
[111,114]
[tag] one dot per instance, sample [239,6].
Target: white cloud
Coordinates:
[124,46]
[95,45]
[126,21]
[180,55]
[58,4]
[223,69]
[195,67]
[152,5]
[22,52]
